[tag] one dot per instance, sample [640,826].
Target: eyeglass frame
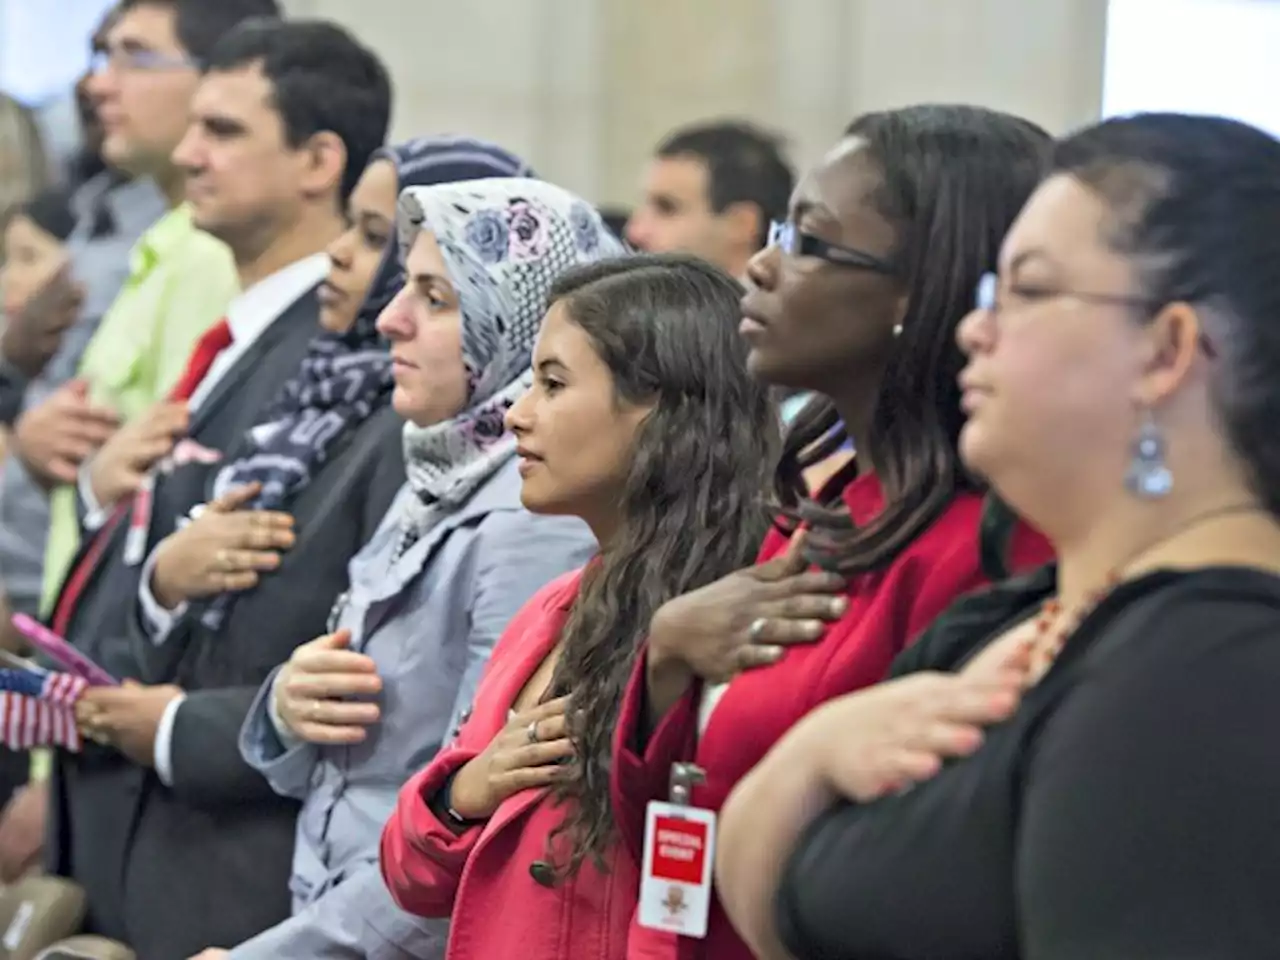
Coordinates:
[791,240]
[985,299]
[137,61]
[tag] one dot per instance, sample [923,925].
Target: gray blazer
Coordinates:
[429,619]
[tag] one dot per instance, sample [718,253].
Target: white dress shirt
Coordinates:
[249,315]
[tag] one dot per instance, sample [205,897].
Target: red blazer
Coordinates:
[483,876]
[887,609]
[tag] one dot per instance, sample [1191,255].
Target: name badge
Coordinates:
[679,852]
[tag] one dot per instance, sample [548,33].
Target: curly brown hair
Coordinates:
[694,504]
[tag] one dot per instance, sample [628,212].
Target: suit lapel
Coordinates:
[300,311]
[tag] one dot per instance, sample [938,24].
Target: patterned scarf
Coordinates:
[345,378]
[505,242]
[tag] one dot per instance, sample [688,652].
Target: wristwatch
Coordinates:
[443,801]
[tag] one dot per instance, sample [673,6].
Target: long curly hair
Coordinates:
[694,505]
[954,180]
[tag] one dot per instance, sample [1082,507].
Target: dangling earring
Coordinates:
[897,330]
[1148,476]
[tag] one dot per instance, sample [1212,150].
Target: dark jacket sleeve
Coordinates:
[205,759]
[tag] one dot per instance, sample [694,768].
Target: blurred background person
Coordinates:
[712,190]
[34,247]
[50,326]
[24,165]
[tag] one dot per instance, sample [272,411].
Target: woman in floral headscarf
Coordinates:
[353,713]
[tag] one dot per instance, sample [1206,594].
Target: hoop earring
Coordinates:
[1148,476]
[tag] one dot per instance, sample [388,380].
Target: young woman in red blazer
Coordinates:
[857,299]
[644,422]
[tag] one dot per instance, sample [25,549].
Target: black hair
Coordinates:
[694,506]
[200,24]
[1195,204]
[322,78]
[615,218]
[744,164]
[953,180]
[51,212]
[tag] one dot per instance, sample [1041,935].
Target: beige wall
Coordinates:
[585,87]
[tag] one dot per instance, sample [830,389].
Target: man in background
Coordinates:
[180,278]
[711,190]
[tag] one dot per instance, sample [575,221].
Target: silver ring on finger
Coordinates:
[532,732]
[756,630]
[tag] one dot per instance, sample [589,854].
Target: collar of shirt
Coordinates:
[253,312]
[161,238]
[255,309]
[131,205]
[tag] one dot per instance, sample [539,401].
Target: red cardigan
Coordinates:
[887,609]
[483,876]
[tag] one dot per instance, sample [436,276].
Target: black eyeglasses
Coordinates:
[788,238]
[987,298]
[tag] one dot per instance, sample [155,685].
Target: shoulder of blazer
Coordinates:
[384,428]
[300,320]
[372,449]
[275,354]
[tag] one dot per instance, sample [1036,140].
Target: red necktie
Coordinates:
[211,343]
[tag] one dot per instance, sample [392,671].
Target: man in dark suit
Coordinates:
[285,119]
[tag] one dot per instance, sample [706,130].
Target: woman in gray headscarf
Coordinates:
[354,713]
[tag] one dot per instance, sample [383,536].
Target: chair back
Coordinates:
[36,912]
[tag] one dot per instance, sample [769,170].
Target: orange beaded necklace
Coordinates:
[1048,643]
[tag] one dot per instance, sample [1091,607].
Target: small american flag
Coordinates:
[38,709]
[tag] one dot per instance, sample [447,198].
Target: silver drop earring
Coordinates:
[897,330]
[1148,476]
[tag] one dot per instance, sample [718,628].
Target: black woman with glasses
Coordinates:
[857,300]
[1120,799]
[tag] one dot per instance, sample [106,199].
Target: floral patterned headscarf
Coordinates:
[505,242]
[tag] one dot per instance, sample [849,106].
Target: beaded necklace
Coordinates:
[1048,643]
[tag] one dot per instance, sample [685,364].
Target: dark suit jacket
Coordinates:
[206,862]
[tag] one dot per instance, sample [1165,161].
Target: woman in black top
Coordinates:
[1084,764]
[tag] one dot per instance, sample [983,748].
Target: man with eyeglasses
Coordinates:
[180,278]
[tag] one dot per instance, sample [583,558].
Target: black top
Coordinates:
[1130,810]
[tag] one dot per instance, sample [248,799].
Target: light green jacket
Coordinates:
[180,283]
